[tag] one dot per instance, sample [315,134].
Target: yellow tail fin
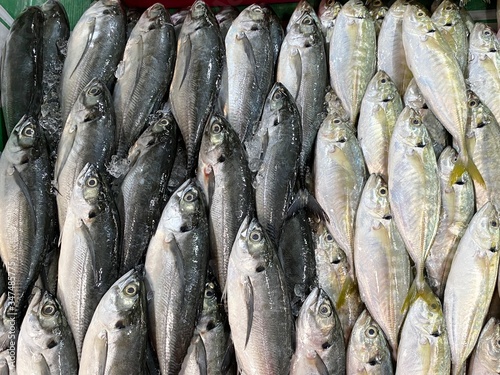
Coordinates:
[348,288]
[423,291]
[466,165]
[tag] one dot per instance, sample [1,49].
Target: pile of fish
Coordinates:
[213,194]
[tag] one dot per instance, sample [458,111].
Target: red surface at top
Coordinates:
[187,3]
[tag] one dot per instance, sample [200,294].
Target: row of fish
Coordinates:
[310,206]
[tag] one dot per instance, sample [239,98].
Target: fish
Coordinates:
[451,25]
[133,15]
[353,55]
[56,33]
[197,73]
[207,350]
[117,329]
[414,192]
[302,7]
[250,69]
[259,312]
[277,33]
[423,346]
[9,331]
[175,269]
[368,351]
[457,209]
[439,136]
[378,11]
[485,358]
[95,47]
[441,82]
[45,343]
[483,74]
[178,19]
[88,262]
[339,176]
[320,338]
[302,69]
[226,179]
[383,269]
[143,75]
[327,13]
[475,265]
[143,191]
[390,51]
[274,185]
[27,224]
[22,68]
[334,277]
[88,137]
[379,111]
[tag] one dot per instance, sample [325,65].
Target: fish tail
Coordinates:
[418,289]
[305,200]
[474,172]
[348,289]
[458,369]
[464,163]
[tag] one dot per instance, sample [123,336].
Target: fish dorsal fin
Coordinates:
[249,299]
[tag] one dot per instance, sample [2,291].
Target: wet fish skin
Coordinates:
[22,68]
[379,111]
[27,225]
[382,264]
[353,55]
[88,137]
[485,358]
[439,136]
[457,209]
[178,19]
[302,69]
[133,15]
[475,264]
[175,267]
[390,53]
[118,328]
[339,177]
[197,73]
[327,13]
[302,7]
[333,272]
[277,33]
[320,338]
[255,282]
[143,75]
[55,33]
[483,68]
[368,351]
[278,172]
[378,11]
[414,188]
[95,48]
[45,343]
[142,193]
[250,69]
[89,258]
[227,185]
[423,346]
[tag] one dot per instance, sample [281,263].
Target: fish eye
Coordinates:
[190,196]
[131,290]
[216,128]
[29,131]
[256,235]
[448,8]
[92,182]
[94,91]
[325,310]
[278,95]
[416,122]
[493,223]
[342,140]
[329,238]
[472,103]
[209,293]
[434,306]
[487,32]
[257,9]
[49,309]
[420,14]
[383,80]
[330,2]
[336,121]
[163,121]
[382,191]
[307,21]
[371,332]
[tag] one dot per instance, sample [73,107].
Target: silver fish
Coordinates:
[320,339]
[45,344]
[378,11]
[368,352]
[474,266]
[176,262]
[88,263]
[302,7]
[258,307]
[118,328]
[197,73]
[250,69]
[95,48]
[327,13]
[277,33]
[144,74]
[353,55]
[457,209]
[485,359]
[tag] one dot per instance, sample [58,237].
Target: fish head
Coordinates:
[413,132]
[446,162]
[328,250]
[24,135]
[155,17]
[398,8]
[186,208]
[485,229]
[483,39]
[219,139]
[329,10]
[488,346]
[355,9]
[127,295]
[416,21]
[317,319]
[429,319]
[211,316]
[28,21]
[338,131]
[381,88]
[93,102]
[334,105]
[368,338]
[413,96]
[89,189]
[480,115]
[278,98]
[379,12]
[376,197]
[447,14]
[53,8]
[305,27]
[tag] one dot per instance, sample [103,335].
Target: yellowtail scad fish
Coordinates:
[485,359]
